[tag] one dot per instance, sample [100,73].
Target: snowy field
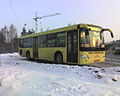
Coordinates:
[19,77]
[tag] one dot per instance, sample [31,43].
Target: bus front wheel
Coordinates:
[58,58]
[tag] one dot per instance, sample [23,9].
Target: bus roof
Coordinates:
[60,30]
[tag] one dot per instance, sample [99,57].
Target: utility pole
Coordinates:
[38,18]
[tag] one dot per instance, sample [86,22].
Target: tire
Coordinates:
[58,58]
[28,55]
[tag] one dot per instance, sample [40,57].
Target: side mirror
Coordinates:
[112,35]
[106,30]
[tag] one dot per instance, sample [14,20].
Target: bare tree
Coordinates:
[13,38]
[2,42]
[8,39]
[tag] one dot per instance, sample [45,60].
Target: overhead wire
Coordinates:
[14,12]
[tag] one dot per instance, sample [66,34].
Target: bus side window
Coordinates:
[29,42]
[42,41]
[60,40]
[51,40]
[20,43]
[26,42]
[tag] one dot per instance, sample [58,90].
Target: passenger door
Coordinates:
[35,47]
[72,46]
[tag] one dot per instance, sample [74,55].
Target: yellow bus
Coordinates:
[76,44]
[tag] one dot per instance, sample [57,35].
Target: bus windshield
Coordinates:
[91,41]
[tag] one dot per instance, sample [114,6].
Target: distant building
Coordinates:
[117,47]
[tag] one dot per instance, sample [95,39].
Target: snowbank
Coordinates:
[19,77]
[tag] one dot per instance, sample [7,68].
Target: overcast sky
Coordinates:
[105,13]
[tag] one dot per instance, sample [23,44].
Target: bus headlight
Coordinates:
[84,57]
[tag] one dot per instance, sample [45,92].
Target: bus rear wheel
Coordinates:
[58,58]
[28,55]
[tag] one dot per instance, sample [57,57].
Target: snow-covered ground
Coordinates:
[19,77]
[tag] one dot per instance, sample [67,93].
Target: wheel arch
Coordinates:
[27,52]
[57,52]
